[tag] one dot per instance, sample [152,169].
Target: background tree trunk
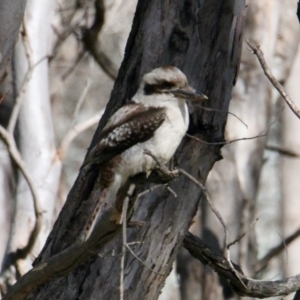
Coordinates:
[290,174]
[36,143]
[205,42]
[11,16]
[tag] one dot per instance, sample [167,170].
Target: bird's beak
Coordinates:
[189,93]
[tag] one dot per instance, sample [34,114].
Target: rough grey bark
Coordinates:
[204,40]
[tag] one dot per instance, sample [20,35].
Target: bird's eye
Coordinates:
[167,85]
[150,89]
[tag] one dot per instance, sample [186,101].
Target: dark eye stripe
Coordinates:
[150,89]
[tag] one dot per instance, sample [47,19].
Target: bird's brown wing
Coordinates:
[121,116]
[130,125]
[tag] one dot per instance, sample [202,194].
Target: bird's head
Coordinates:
[169,81]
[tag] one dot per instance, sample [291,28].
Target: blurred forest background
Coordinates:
[59,82]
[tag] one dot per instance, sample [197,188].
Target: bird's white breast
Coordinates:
[163,144]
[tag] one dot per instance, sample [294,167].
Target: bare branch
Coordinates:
[123,221]
[150,189]
[31,66]
[81,99]
[221,111]
[172,191]
[69,71]
[227,142]
[256,50]
[218,215]
[15,155]
[282,151]
[242,235]
[250,287]
[90,40]
[75,131]
[61,37]
[210,203]
[262,263]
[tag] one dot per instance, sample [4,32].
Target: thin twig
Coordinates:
[256,50]
[172,191]
[227,142]
[69,71]
[19,99]
[123,221]
[240,139]
[90,41]
[69,29]
[81,99]
[150,189]
[18,102]
[125,245]
[75,131]
[210,203]
[125,205]
[251,287]
[242,235]
[263,262]
[218,215]
[221,111]
[15,155]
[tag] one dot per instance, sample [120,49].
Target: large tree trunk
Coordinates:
[204,41]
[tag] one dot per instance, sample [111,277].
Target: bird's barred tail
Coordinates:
[93,218]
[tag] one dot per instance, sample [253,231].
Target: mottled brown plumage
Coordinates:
[133,124]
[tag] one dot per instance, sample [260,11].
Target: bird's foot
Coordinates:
[161,171]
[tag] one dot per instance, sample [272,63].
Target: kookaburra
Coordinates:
[156,120]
